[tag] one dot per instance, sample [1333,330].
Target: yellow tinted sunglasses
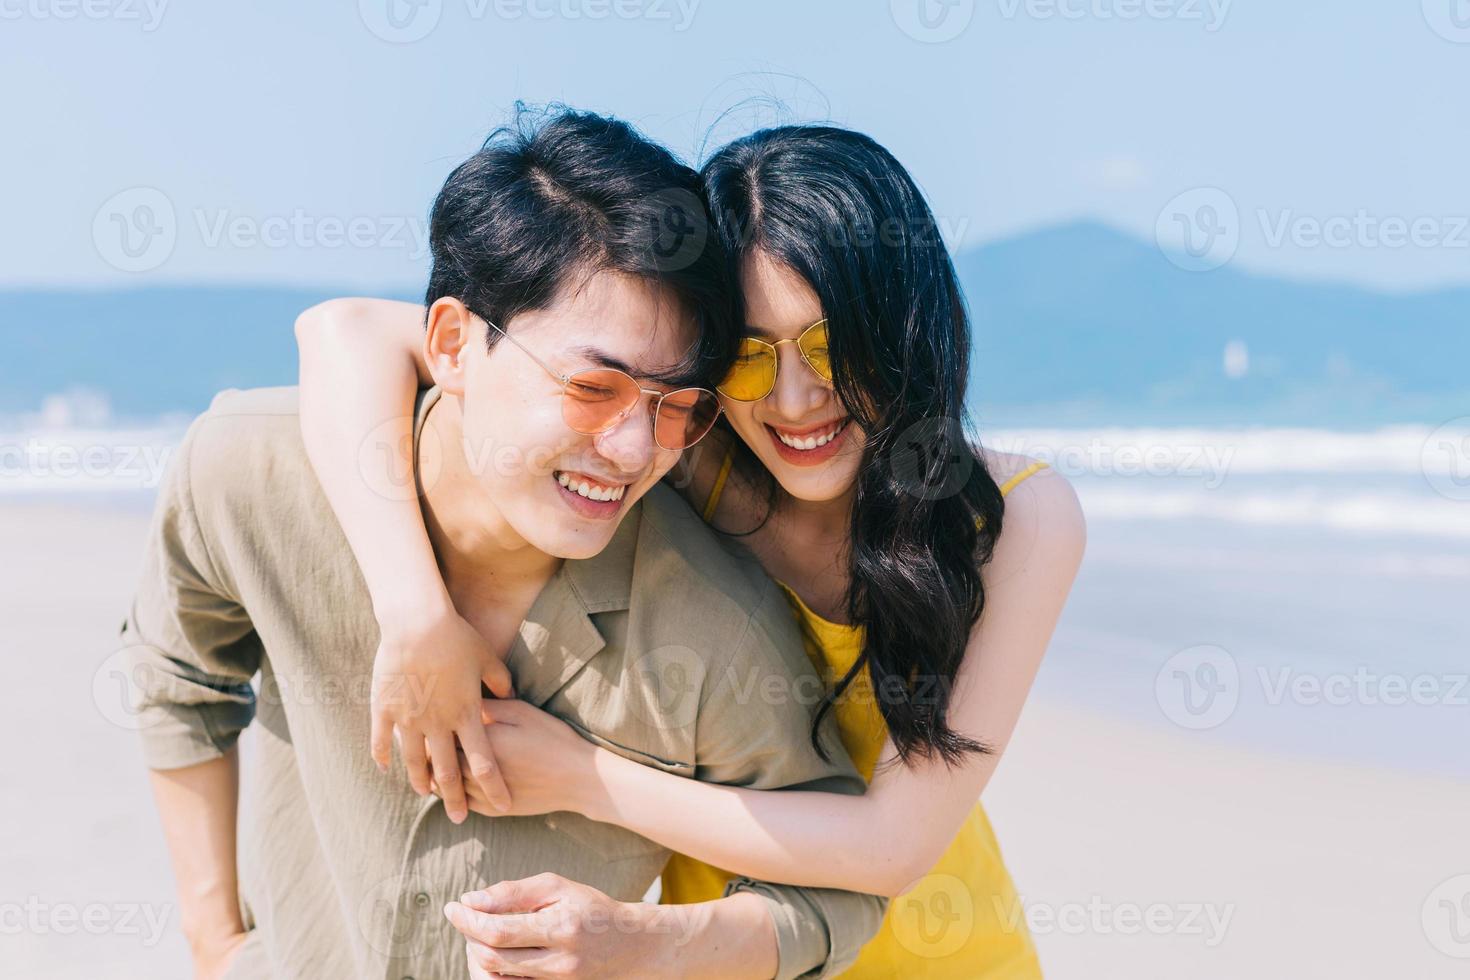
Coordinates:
[754,375]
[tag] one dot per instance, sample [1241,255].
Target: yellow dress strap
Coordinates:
[714,493]
[1010,484]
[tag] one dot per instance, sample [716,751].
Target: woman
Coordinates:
[839,464]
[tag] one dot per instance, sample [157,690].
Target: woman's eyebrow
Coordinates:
[602,358]
[768,332]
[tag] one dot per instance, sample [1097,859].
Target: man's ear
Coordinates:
[451,335]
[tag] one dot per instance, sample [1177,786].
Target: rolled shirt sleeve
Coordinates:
[819,931]
[190,650]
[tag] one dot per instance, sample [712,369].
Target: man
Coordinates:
[560,339]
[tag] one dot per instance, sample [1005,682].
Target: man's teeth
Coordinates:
[811,442]
[589,490]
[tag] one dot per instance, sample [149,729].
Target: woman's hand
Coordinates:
[426,688]
[546,764]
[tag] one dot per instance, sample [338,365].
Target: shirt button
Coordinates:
[422,901]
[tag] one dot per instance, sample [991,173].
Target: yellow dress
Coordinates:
[964,920]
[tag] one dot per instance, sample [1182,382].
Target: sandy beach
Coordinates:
[1141,850]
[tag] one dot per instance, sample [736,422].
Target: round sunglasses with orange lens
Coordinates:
[597,399]
[754,375]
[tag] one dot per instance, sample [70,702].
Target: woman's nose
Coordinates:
[798,390]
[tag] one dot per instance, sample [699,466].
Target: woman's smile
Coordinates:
[810,445]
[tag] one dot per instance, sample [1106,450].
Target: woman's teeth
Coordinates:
[811,441]
[591,490]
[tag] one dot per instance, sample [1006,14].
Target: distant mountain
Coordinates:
[1083,325]
[1074,325]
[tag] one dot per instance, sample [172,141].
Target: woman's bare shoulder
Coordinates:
[1043,515]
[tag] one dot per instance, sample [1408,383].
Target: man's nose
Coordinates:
[629,445]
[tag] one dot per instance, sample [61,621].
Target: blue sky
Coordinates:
[301,142]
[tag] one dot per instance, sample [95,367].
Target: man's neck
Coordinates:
[482,557]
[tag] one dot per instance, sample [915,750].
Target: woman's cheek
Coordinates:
[742,418]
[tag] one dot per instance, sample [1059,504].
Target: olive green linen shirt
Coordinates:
[669,648]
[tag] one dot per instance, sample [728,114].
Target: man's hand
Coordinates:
[212,959]
[426,686]
[547,926]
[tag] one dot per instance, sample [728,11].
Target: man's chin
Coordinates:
[574,541]
[580,552]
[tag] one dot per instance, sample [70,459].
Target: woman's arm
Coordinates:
[361,361]
[914,811]
[827,840]
[361,365]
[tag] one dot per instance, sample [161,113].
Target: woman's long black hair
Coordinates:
[838,210]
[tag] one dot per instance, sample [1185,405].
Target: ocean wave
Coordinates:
[58,460]
[1442,450]
[1423,513]
[1400,479]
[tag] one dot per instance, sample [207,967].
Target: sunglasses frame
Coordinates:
[565,381]
[776,371]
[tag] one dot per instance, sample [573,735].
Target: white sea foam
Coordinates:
[1402,479]
[1379,511]
[124,459]
[74,442]
[1411,480]
[1431,449]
